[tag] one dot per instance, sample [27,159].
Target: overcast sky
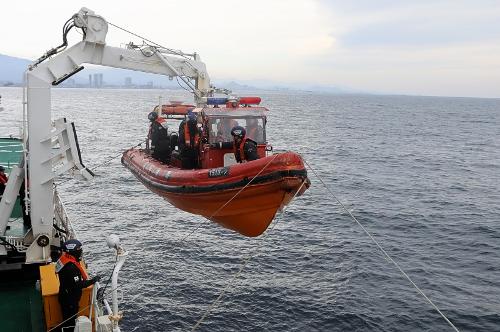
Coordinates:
[449,48]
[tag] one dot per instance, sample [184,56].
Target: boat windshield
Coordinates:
[220,128]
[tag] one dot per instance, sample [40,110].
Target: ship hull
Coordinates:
[242,197]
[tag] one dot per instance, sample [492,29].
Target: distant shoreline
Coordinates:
[257,91]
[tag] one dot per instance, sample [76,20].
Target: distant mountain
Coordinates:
[279,86]
[12,69]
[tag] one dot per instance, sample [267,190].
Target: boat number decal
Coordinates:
[218,172]
[168,175]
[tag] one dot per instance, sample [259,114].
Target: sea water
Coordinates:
[422,174]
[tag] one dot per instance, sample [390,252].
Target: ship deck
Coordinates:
[20,300]
[20,305]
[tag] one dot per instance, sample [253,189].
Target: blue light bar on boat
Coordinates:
[216,101]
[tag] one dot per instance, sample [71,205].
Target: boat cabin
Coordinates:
[217,125]
[215,122]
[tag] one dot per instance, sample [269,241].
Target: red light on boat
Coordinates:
[250,100]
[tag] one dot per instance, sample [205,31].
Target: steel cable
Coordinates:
[382,249]
[245,263]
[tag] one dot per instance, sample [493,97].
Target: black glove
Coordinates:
[96,279]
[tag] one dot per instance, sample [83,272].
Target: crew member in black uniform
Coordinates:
[189,142]
[245,149]
[160,141]
[72,279]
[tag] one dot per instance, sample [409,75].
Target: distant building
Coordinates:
[98,81]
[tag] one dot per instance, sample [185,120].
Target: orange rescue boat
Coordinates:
[244,197]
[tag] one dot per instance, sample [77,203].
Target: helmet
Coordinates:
[2,169]
[73,247]
[191,116]
[152,116]
[238,131]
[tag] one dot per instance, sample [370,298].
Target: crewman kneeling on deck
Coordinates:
[160,141]
[245,149]
[72,279]
[189,142]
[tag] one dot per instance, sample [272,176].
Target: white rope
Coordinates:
[245,263]
[223,206]
[382,249]
[107,161]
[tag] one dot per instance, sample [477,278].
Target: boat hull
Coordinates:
[242,197]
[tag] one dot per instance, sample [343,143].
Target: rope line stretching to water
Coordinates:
[226,203]
[245,263]
[230,200]
[107,161]
[382,249]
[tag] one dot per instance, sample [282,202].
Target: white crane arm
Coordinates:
[59,64]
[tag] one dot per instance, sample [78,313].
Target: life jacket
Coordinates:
[239,152]
[67,258]
[187,137]
[3,178]
[161,121]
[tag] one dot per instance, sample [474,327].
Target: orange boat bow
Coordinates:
[245,199]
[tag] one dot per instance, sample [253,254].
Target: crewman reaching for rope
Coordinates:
[72,279]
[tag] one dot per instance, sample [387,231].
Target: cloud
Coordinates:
[426,25]
[392,46]
[426,47]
